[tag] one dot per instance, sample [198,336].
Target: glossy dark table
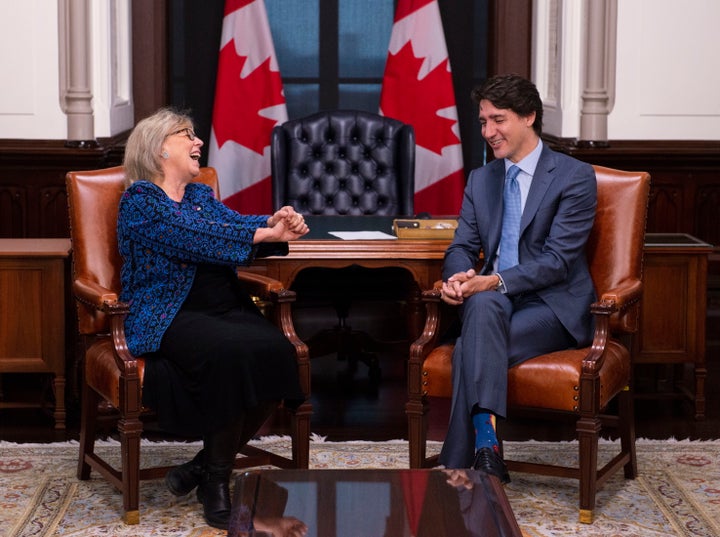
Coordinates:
[369,503]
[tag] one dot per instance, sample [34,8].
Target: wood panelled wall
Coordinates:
[33,201]
[685,194]
[685,190]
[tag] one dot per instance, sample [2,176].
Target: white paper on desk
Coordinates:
[362,235]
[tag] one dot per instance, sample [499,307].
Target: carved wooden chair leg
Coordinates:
[300,435]
[417,432]
[627,431]
[130,430]
[588,431]
[88,427]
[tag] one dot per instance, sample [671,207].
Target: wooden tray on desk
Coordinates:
[424,228]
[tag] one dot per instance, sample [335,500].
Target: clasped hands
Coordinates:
[286,225]
[461,285]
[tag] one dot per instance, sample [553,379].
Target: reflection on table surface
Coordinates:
[364,503]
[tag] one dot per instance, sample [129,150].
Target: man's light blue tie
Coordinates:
[511,220]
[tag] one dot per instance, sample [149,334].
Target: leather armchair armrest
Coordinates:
[619,307]
[264,287]
[623,296]
[428,339]
[610,313]
[95,295]
[432,329]
[273,291]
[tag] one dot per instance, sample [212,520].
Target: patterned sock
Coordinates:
[485,431]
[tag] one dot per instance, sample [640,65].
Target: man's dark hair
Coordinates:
[512,92]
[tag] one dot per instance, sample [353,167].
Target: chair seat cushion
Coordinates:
[550,381]
[553,380]
[102,373]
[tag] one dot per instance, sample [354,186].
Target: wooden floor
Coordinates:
[351,407]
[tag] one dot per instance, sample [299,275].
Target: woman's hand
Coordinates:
[282,213]
[283,226]
[289,229]
[288,221]
[295,223]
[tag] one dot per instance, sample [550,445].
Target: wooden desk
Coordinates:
[32,312]
[673,313]
[422,258]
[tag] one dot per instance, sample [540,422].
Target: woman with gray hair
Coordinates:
[215,367]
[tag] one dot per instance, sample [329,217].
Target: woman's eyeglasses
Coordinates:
[187,131]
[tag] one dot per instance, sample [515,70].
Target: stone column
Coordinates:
[75,72]
[599,84]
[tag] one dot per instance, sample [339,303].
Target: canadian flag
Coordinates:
[418,90]
[249,102]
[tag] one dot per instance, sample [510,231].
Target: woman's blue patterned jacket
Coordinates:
[162,241]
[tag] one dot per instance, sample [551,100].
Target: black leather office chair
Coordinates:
[345,162]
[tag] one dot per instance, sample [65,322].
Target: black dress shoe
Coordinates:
[487,460]
[182,479]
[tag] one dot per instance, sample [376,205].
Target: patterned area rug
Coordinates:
[677,493]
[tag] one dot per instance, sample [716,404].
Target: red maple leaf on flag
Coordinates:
[238,101]
[416,101]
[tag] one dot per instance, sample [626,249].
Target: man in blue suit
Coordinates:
[530,211]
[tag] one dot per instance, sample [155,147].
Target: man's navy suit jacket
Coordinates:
[555,224]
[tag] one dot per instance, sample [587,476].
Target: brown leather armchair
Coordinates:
[579,382]
[112,377]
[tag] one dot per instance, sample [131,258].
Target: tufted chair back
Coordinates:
[344,162]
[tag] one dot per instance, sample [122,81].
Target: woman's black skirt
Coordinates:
[219,356]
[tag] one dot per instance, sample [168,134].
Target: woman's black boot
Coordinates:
[214,490]
[214,494]
[182,479]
